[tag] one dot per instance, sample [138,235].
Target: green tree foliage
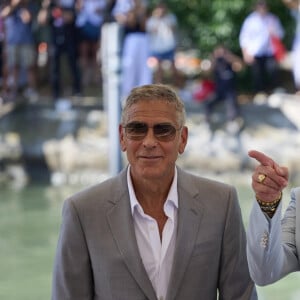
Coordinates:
[205,23]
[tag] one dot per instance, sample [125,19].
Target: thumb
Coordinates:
[282,171]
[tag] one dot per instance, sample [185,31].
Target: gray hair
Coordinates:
[155,92]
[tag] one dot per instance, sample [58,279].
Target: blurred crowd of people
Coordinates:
[262,52]
[73,30]
[73,40]
[149,41]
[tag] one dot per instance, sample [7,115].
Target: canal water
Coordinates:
[29,226]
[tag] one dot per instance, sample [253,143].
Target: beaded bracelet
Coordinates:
[273,203]
[269,207]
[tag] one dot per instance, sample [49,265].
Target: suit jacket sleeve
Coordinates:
[235,282]
[271,244]
[72,278]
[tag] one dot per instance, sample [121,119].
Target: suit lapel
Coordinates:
[122,228]
[189,218]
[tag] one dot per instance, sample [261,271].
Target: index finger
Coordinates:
[261,158]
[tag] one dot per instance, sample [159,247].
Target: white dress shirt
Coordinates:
[255,33]
[157,254]
[161,33]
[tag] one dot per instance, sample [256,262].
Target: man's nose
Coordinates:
[150,138]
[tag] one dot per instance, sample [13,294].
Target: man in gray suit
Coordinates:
[273,245]
[154,231]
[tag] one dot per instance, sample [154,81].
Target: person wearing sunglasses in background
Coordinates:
[154,231]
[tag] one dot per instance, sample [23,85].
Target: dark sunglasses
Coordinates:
[163,131]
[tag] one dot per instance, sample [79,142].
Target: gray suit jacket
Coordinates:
[273,246]
[98,257]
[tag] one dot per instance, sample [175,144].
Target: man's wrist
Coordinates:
[269,207]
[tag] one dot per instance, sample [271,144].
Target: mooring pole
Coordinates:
[110,50]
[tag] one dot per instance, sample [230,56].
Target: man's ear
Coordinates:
[122,138]
[183,141]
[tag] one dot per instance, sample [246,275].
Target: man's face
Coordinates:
[151,157]
[262,9]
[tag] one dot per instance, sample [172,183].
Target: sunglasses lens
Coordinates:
[164,131]
[138,131]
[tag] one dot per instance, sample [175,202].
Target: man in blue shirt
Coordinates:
[20,45]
